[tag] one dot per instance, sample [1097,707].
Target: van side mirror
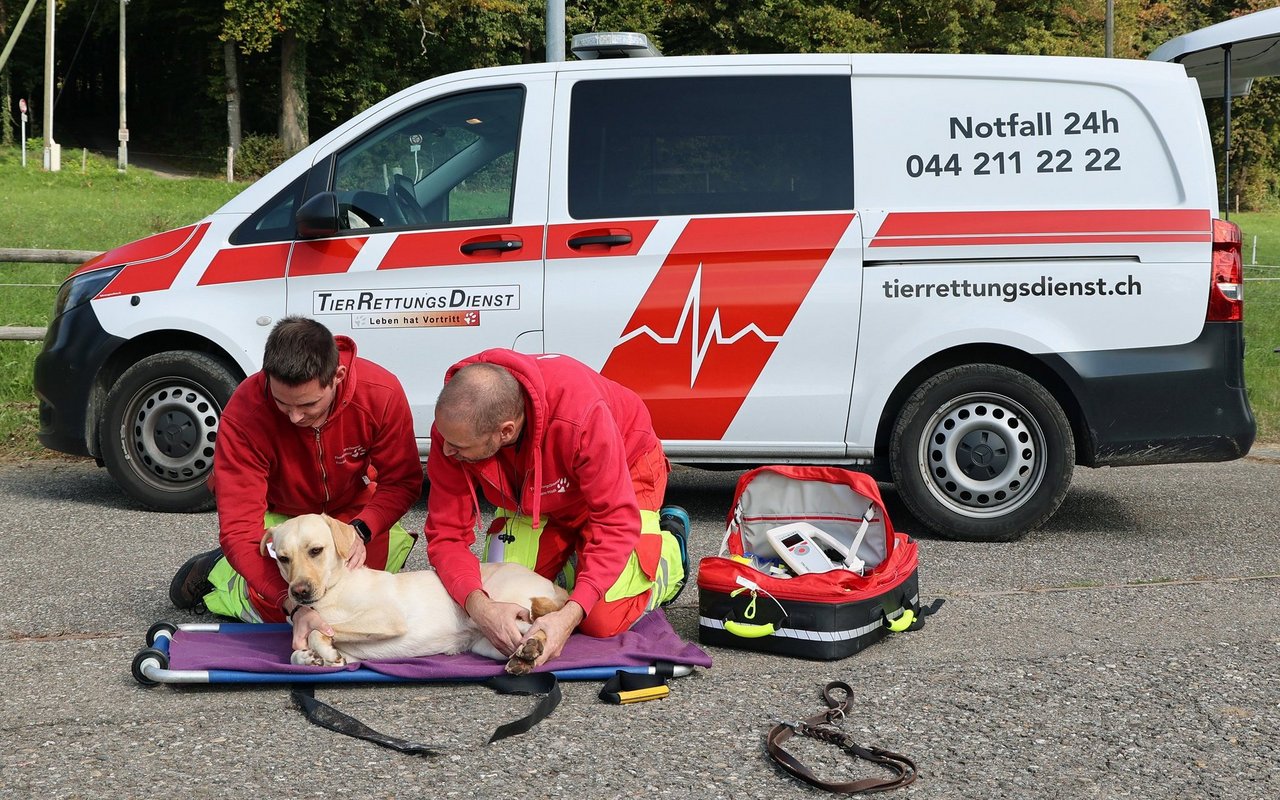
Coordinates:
[318,217]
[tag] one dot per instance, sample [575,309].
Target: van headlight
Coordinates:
[82,288]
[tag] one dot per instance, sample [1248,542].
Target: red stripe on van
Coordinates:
[558,237]
[256,263]
[715,312]
[147,249]
[157,274]
[324,256]
[931,228]
[1083,238]
[443,248]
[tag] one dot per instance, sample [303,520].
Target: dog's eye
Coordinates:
[282,559]
[315,551]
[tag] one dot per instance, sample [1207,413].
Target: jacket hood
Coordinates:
[525,370]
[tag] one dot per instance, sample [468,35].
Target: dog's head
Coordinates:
[311,552]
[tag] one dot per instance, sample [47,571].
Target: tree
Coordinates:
[256,25]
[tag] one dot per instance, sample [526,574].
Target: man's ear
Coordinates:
[344,536]
[507,432]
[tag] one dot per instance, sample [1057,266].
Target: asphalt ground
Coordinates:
[1126,650]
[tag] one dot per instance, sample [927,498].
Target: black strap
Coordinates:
[821,726]
[538,683]
[634,687]
[543,683]
[926,611]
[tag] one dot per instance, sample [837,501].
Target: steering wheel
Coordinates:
[401,196]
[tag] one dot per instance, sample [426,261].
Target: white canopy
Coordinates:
[1255,52]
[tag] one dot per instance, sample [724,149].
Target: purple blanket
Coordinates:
[649,640]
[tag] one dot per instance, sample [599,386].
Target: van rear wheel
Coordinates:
[160,422]
[982,452]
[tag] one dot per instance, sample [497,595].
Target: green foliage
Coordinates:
[258,155]
[255,24]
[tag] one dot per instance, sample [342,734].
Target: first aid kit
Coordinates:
[810,566]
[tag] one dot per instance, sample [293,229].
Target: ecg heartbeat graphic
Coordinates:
[692,310]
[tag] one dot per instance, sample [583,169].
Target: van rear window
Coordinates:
[710,145]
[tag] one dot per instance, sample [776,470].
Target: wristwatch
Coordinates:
[362,530]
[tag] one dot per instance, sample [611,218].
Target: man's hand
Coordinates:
[358,554]
[305,620]
[558,625]
[497,621]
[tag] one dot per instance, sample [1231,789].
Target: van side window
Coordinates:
[447,162]
[715,145]
[274,220]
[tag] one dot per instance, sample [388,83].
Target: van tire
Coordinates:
[953,458]
[159,424]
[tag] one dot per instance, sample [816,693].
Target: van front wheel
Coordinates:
[160,422]
[982,452]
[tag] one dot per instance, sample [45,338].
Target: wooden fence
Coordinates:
[29,256]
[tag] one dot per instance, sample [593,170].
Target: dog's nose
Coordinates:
[301,592]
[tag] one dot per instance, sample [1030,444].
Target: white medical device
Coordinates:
[804,547]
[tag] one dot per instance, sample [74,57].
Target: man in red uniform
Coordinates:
[577,474]
[317,430]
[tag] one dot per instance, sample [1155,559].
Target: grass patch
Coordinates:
[19,419]
[1262,318]
[99,208]
[96,209]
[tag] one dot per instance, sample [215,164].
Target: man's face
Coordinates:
[307,405]
[462,443]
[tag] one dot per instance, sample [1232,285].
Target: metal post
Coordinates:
[1111,28]
[1226,137]
[122,154]
[17,30]
[555,30]
[52,153]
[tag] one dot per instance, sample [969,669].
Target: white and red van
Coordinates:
[965,274]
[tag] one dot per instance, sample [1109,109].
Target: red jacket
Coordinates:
[362,462]
[582,432]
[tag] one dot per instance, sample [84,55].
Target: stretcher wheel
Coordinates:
[139,661]
[154,631]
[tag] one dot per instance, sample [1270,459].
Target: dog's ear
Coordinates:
[267,538]
[344,536]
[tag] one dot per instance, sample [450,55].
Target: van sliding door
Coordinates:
[702,249]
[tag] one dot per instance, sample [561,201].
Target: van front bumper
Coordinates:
[66,380]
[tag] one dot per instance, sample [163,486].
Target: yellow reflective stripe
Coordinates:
[516,543]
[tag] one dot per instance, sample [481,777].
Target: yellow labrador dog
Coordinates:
[376,614]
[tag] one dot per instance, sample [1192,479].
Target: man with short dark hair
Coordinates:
[571,461]
[317,430]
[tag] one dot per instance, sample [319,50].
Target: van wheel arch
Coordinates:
[934,413]
[189,380]
[1017,360]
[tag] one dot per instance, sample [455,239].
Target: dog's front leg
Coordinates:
[320,652]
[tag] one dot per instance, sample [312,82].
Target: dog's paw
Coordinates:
[522,660]
[306,658]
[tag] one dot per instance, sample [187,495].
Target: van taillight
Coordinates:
[1226,282]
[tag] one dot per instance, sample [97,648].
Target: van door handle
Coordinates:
[611,240]
[502,245]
